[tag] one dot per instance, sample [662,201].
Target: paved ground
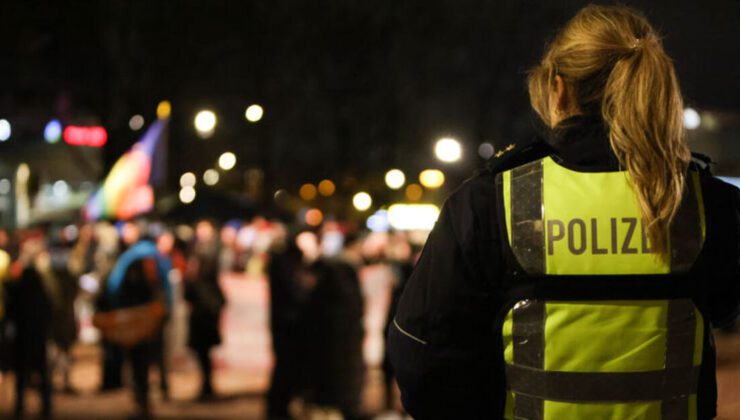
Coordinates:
[242,391]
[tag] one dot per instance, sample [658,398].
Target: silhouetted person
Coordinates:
[287,305]
[333,318]
[206,302]
[30,308]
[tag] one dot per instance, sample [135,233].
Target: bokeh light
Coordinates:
[227,161]
[254,113]
[5,130]
[187,195]
[136,122]
[395,178]
[362,201]
[314,217]
[205,123]
[413,216]
[448,150]
[691,119]
[53,131]
[60,188]
[5,186]
[211,177]
[187,179]
[307,192]
[486,150]
[432,178]
[327,188]
[378,222]
[164,109]
[414,192]
[23,173]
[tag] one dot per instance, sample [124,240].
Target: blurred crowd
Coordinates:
[117,286]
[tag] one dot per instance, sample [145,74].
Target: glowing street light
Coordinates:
[327,188]
[4,130]
[691,119]
[205,123]
[314,217]
[187,195]
[60,188]
[432,178]
[211,177]
[187,180]
[362,201]
[53,131]
[227,161]
[395,178]
[254,113]
[307,192]
[164,109]
[486,150]
[414,192]
[136,122]
[448,150]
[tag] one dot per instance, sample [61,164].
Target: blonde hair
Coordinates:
[613,63]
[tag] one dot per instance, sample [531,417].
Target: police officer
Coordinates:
[578,277]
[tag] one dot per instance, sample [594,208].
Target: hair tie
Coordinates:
[636,44]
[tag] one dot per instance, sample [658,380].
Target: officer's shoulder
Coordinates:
[478,188]
[515,154]
[701,163]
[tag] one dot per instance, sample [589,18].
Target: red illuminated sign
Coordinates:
[94,136]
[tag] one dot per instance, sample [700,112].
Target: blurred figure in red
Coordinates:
[206,299]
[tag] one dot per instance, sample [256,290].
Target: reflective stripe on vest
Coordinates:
[598,359]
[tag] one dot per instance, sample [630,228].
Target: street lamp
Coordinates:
[432,178]
[205,123]
[362,201]
[395,178]
[448,150]
[254,113]
[227,161]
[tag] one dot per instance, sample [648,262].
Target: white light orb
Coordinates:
[4,130]
[448,150]
[395,178]
[691,119]
[187,195]
[136,122]
[211,177]
[227,161]
[205,122]
[187,179]
[254,113]
[362,201]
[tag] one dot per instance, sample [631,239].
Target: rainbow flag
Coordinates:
[127,190]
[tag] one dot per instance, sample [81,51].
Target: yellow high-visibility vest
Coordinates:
[597,359]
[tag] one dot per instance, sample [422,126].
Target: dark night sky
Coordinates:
[349,87]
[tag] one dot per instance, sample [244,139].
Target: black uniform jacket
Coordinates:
[445,340]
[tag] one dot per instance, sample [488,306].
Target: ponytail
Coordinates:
[643,109]
[615,63]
